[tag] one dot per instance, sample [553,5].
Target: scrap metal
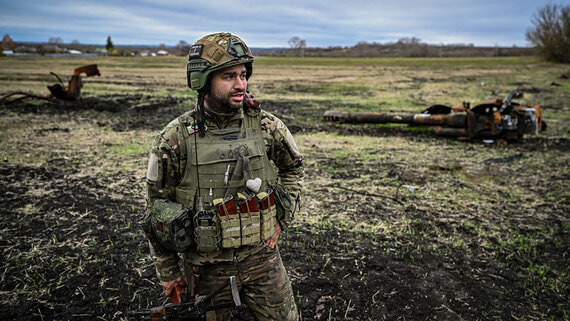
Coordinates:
[501,119]
[73,90]
[58,91]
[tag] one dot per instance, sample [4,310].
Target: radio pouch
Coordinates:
[206,232]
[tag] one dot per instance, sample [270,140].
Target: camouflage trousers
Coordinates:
[263,284]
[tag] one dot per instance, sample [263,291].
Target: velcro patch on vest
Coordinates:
[192,129]
[152,171]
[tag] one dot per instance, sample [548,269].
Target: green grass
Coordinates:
[340,89]
[564,86]
[128,149]
[557,115]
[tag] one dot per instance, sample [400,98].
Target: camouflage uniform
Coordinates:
[262,279]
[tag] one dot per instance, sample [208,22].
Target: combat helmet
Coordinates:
[214,52]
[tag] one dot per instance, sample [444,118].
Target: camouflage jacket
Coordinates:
[281,150]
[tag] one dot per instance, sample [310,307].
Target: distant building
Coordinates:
[101,51]
[162,53]
[25,49]
[54,48]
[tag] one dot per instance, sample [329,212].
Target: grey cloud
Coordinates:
[272,23]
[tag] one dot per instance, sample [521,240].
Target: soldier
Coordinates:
[223,181]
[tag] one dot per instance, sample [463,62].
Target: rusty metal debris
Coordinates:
[58,91]
[73,91]
[501,119]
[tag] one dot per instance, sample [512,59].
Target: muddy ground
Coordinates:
[72,193]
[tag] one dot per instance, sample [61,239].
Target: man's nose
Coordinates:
[240,84]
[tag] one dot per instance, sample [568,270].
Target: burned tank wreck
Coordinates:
[499,119]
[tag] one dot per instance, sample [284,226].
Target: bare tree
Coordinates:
[55,40]
[298,45]
[7,42]
[551,32]
[183,48]
[412,47]
[293,42]
[406,41]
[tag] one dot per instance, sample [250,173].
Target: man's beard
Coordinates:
[222,105]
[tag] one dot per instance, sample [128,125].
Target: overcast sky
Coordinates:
[271,23]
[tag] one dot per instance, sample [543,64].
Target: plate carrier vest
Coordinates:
[226,159]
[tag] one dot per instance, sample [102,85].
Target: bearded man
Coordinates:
[223,182]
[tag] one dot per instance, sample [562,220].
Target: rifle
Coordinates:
[501,119]
[191,310]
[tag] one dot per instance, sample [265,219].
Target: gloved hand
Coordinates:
[169,286]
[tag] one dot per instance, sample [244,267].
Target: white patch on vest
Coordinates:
[152,171]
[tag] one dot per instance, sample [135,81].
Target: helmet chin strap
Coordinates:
[199,121]
[200,117]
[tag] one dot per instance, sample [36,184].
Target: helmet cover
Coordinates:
[214,52]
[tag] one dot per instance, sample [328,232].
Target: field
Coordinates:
[395,224]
